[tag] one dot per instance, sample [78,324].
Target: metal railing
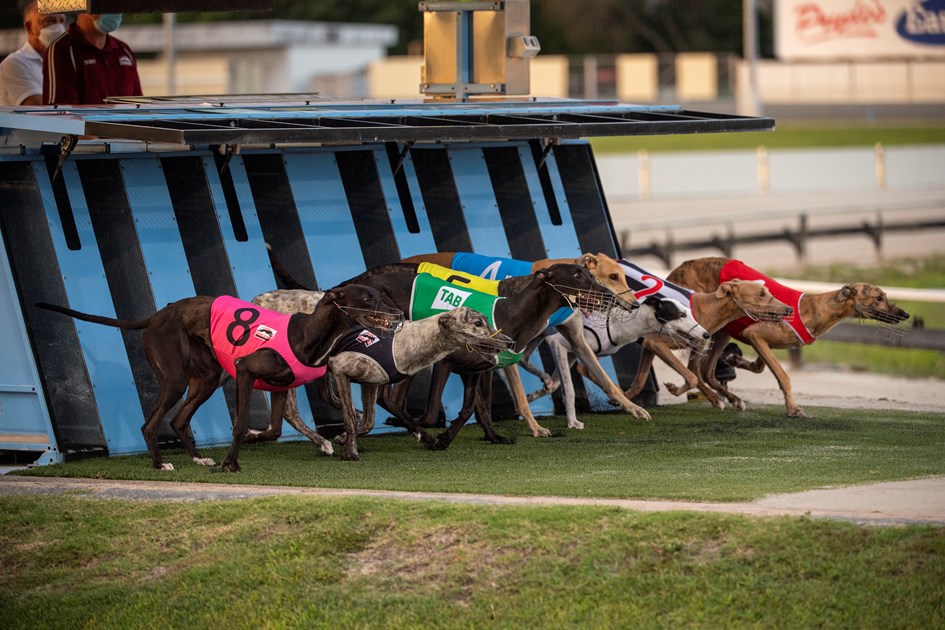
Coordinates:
[730,231]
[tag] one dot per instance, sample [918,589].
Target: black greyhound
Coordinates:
[523,316]
[179,344]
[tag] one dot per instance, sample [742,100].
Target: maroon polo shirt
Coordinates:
[76,73]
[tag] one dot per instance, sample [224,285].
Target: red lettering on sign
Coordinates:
[650,289]
[814,24]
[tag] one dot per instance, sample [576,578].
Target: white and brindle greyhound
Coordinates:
[414,347]
[658,316]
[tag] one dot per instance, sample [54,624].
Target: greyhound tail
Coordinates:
[96,319]
[283,274]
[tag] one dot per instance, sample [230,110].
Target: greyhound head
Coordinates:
[366,306]
[609,273]
[870,302]
[755,300]
[678,323]
[472,328]
[578,288]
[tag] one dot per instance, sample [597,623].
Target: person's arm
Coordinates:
[60,83]
[20,83]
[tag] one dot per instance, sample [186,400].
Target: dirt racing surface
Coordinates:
[892,503]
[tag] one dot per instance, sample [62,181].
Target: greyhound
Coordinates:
[522,316]
[604,269]
[663,317]
[816,315]
[731,300]
[416,345]
[191,342]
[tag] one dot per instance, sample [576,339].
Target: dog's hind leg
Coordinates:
[170,393]
[167,349]
[350,452]
[199,391]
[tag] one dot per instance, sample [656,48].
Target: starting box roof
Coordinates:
[291,119]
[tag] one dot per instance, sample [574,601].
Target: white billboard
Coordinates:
[859,29]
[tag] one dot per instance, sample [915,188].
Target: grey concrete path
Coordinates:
[895,503]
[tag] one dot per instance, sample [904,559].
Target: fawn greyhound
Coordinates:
[816,314]
[191,343]
[728,302]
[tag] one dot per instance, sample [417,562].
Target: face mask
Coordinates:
[108,22]
[49,33]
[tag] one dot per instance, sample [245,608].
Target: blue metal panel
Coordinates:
[560,240]
[105,357]
[410,244]
[166,262]
[325,216]
[24,419]
[479,205]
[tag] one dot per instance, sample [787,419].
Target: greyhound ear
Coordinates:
[543,274]
[589,261]
[332,295]
[847,292]
[726,288]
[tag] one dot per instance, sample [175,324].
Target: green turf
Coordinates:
[302,562]
[688,451]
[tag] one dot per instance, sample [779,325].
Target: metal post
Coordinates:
[170,52]
[750,35]
[464,53]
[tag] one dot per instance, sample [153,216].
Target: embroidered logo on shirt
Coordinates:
[125,61]
[89,62]
[264,332]
[367,338]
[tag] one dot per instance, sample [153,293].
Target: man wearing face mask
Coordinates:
[88,64]
[21,73]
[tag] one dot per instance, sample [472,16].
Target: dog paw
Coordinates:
[641,414]
[204,461]
[351,456]
[740,405]
[326,448]
[797,413]
[541,432]
[575,424]
[166,466]
[232,467]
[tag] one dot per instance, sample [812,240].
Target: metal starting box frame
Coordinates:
[120,209]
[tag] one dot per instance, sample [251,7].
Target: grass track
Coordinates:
[688,451]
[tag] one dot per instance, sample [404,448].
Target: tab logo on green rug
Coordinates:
[448,298]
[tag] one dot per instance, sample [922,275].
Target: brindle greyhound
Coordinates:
[608,273]
[817,314]
[728,302]
[180,348]
[416,345]
[522,316]
[662,317]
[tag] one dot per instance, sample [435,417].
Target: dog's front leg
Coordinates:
[521,402]
[764,352]
[470,389]
[563,363]
[350,452]
[483,407]
[244,389]
[369,403]
[574,333]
